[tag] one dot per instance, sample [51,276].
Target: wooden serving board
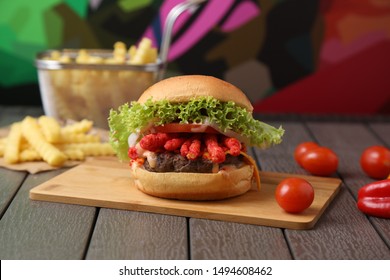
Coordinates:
[107,183]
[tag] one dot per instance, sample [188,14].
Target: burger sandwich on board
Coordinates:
[186,138]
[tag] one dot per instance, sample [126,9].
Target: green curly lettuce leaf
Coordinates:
[134,117]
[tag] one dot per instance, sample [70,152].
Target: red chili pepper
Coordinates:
[375,189]
[375,206]
[374,199]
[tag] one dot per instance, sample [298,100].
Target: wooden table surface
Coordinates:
[44,230]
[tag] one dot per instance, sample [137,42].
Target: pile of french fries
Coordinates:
[90,94]
[44,139]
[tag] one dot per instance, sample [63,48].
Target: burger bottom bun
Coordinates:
[194,186]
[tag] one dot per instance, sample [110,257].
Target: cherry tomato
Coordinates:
[294,194]
[186,128]
[303,148]
[320,161]
[375,162]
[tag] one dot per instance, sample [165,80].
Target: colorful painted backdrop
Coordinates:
[303,56]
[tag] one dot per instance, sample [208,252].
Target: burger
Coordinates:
[186,138]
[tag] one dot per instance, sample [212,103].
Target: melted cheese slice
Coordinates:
[256,172]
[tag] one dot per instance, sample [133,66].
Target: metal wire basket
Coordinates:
[71,90]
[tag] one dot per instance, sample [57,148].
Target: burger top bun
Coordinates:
[183,88]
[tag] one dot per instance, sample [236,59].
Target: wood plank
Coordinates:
[382,131]
[229,241]
[355,238]
[136,235]
[10,183]
[322,242]
[42,230]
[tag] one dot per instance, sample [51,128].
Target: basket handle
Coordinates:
[190,6]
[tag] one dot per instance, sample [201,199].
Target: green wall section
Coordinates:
[26,28]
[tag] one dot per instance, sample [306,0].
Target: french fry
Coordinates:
[119,52]
[78,138]
[93,101]
[95,60]
[55,55]
[132,51]
[65,59]
[74,154]
[29,154]
[2,145]
[51,129]
[49,153]
[144,54]
[78,127]
[82,57]
[12,145]
[91,149]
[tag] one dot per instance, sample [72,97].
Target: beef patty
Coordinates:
[171,162]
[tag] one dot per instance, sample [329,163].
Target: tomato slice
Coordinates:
[185,128]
